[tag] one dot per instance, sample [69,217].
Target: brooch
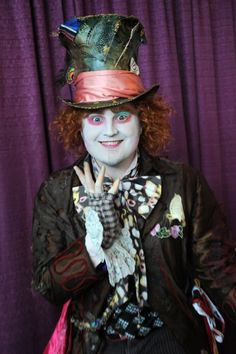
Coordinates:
[176,221]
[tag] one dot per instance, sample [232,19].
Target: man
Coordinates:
[121,236]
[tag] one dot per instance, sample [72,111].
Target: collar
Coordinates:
[148,165]
[155,165]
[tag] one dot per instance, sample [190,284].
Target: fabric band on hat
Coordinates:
[105,85]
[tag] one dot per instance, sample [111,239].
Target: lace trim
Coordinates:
[119,258]
[94,236]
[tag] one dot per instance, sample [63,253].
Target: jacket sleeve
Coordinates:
[213,249]
[62,268]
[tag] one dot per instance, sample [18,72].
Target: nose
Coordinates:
[110,128]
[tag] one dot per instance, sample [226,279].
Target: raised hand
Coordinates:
[95,187]
[101,202]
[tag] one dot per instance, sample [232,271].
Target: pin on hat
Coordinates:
[101,57]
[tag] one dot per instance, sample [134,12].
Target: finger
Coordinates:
[80,175]
[115,187]
[88,178]
[99,181]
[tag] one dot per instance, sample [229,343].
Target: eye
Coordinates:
[95,119]
[122,116]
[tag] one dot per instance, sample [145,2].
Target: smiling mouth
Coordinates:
[111,144]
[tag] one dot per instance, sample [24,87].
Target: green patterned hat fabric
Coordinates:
[102,42]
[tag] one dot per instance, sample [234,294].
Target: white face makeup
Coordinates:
[111,138]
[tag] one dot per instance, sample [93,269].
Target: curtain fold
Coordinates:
[191,53]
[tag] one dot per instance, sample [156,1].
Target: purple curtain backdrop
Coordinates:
[191,52]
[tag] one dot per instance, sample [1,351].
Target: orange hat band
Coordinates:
[106,85]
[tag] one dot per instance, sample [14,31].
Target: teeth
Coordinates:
[110,142]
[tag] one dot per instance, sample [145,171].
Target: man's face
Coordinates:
[111,137]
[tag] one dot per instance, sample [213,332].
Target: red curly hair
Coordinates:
[153,113]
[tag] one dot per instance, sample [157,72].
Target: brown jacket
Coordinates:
[62,268]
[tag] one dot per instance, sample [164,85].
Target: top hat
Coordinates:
[101,60]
